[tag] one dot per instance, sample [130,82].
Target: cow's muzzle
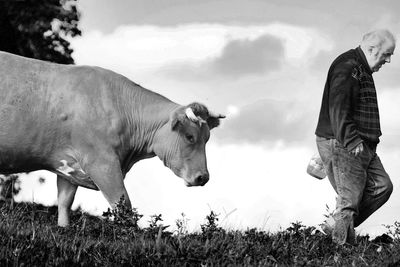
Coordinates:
[202,179]
[199,180]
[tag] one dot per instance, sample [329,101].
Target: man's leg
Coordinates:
[347,174]
[377,191]
[324,146]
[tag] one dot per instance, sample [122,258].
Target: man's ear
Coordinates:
[370,48]
[373,50]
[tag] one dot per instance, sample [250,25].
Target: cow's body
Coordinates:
[90,125]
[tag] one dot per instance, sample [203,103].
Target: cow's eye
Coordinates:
[190,138]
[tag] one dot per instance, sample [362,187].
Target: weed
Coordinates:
[123,216]
[29,236]
[182,225]
[211,225]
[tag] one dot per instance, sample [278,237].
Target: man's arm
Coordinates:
[342,86]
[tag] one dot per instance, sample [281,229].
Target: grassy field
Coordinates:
[29,236]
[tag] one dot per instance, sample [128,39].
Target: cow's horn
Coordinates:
[191,116]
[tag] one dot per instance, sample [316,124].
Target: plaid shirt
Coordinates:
[349,110]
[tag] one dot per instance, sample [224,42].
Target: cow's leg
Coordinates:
[66,194]
[106,173]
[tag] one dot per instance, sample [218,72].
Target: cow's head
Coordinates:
[181,143]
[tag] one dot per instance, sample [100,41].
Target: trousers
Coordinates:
[360,181]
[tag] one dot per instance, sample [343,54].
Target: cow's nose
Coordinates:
[202,179]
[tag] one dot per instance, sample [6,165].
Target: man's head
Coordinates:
[378,47]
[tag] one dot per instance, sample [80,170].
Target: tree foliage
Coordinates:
[39,29]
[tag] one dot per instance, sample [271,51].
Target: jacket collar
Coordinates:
[363,60]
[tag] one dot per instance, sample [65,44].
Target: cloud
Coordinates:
[238,58]
[211,63]
[150,47]
[106,16]
[242,57]
[238,52]
[269,121]
[323,60]
[389,113]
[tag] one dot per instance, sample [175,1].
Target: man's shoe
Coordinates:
[344,233]
[339,232]
[328,225]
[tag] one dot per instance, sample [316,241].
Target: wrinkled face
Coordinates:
[377,56]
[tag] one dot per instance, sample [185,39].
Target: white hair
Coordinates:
[377,38]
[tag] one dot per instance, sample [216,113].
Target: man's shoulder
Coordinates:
[347,63]
[347,60]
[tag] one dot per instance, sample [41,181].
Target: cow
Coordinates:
[90,125]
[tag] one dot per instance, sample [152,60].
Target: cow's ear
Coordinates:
[177,121]
[214,120]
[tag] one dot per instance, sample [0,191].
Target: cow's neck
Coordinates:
[147,113]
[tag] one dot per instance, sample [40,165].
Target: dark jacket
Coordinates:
[349,110]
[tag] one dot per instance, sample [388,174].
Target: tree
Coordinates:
[39,28]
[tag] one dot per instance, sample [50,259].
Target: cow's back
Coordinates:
[49,109]
[30,112]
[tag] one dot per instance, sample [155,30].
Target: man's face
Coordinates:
[379,56]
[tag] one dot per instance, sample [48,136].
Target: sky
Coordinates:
[261,63]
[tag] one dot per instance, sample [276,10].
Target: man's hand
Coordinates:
[358,149]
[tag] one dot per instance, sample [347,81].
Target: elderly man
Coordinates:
[348,132]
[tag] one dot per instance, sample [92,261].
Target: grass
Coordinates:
[29,236]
